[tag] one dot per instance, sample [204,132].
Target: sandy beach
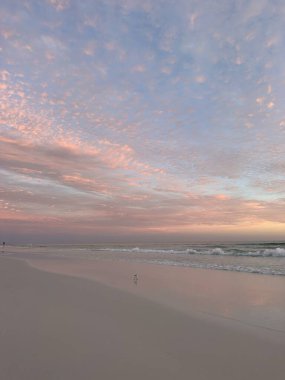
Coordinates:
[60,327]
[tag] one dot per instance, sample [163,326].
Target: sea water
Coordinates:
[261,258]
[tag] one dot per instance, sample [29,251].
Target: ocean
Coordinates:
[260,258]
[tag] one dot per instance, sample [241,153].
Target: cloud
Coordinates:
[139,69]
[59,5]
[142,116]
[200,79]
[254,8]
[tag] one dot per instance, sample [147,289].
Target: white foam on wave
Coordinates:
[218,251]
[232,268]
[277,252]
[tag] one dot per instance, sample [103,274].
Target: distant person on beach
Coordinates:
[3,245]
[135,279]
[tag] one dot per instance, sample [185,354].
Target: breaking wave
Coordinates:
[217,251]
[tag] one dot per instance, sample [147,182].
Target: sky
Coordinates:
[142,120]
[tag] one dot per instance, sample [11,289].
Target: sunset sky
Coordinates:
[142,120]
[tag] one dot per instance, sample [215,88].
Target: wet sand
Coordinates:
[243,300]
[54,326]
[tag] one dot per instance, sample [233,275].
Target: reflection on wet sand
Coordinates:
[251,299]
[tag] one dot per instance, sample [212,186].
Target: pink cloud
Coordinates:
[222,197]
[59,5]
[139,69]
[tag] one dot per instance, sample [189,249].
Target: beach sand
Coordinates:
[54,326]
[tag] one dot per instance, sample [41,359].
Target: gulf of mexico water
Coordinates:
[262,258]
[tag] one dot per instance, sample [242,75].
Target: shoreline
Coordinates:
[265,261]
[242,300]
[56,326]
